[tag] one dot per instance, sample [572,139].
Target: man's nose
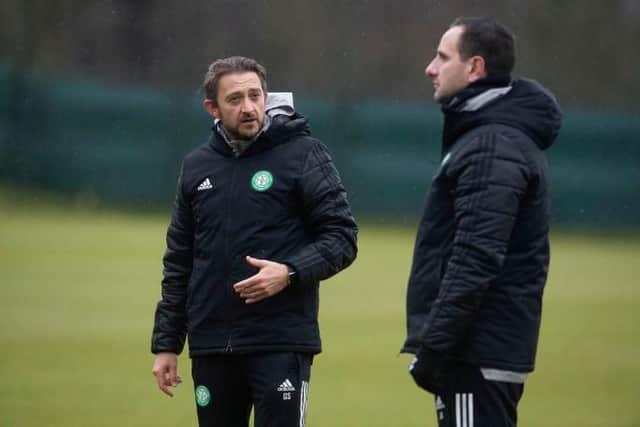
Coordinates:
[431,70]
[246,106]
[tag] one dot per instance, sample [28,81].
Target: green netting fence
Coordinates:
[123,145]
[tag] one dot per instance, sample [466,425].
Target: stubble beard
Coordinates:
[240,133]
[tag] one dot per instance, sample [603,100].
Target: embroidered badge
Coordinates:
[203,396]
[262,180]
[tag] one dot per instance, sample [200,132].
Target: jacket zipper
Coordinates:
[227,258]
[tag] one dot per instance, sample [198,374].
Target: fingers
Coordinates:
[247,283]
[164,382]
[254,299]
[254,294]
[174,378]
[270,280]
[165,371]
[162,378]
[256,290]
[256,278]
[256,262]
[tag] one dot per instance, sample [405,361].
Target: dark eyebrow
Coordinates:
[233,94]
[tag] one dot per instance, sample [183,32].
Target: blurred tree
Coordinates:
[331,49]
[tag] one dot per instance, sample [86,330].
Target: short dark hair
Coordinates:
[492,41]
[232,64]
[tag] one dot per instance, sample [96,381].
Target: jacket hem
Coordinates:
[255,349]
[496,364]
[481,363]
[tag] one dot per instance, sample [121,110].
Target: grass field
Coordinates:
[78,290]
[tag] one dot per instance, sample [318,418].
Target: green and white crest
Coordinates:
[262,180]
[203,396]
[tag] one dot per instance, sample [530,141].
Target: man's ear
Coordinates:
[211,108]
[477,68]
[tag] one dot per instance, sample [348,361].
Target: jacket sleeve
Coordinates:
[328,218]
[488,178]
[169,331]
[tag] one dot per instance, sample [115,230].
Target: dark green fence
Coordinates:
[124,145]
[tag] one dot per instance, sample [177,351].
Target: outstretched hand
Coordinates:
[270,280]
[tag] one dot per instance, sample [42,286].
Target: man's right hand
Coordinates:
[426,368]
[165,369]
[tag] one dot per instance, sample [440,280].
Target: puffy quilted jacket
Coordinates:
[482,252]
[281,200]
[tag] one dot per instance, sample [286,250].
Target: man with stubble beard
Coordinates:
[260,218]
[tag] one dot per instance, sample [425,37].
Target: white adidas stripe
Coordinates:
[464,409]
[304,390]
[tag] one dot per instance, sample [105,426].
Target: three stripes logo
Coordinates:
[286,386]
[205,185]
[464,410]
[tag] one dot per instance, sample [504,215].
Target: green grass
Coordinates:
[78,290]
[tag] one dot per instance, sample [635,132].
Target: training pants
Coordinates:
[470,400]
[275,384]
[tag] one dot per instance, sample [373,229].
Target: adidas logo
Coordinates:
[286,386]
[205,185]
[439,404]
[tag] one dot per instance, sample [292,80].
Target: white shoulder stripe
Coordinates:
[484,98]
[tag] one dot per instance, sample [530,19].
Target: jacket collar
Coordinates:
[461,111]
[278,104]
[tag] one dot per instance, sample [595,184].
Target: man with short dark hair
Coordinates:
[260,218]
[481,255]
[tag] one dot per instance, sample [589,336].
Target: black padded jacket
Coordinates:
[482,251]
[281,200]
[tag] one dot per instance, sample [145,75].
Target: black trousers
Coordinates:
[275,384]
[470,400]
